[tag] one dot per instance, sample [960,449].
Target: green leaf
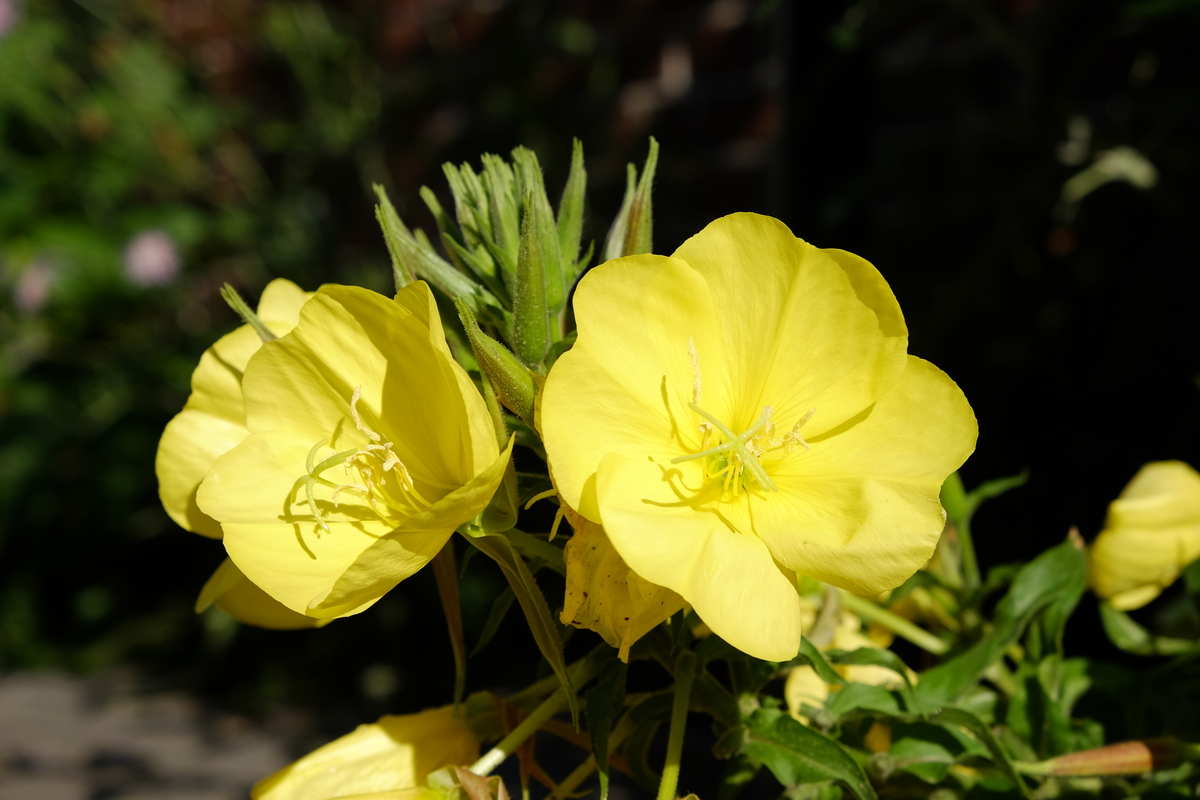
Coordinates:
[605,701]
[862,696]
[993,488]
[1051,577]
[614,243]
[446,574]
[394,231]
[924,750]
[797,754]
[709,696]
[809,654]
[976,727]
[1133,638]
[570,214]
[646,717]
[874,656]
[533,547]
[500,607]
[537,613]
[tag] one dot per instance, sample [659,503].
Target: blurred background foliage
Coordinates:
[1024,173]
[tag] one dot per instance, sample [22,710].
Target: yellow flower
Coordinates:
[745,411]
[1151,534]
[369,445]
[212,423]
[604,595]
[394,754]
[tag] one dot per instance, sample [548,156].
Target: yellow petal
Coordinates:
[233,593]
[804,686]
[861,509]
[273,538]
[214,420]
[604,596]
[625,385]
[1162,494]
[350,337]
[729,578]
[804,328]
[393,754]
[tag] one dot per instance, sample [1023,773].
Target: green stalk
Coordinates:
[893,622]
[685,672]
[966,548]
[583,671]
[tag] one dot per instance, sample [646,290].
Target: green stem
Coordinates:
[966,547]
[896,624]
[581,672]
[685,672]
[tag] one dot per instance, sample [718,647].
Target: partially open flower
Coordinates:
[395,754]
[1151,534]
[212,423]
[745,411]
[369,445]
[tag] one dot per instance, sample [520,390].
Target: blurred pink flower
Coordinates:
[151,258]
[8,16]
[33,286]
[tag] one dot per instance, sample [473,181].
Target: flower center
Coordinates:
[371,466]
[739,457]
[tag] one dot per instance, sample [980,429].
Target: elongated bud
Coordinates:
[632,230]
[1125,758]
[537,210]
[514,384]
[394,234]
[570,216]
[530,318]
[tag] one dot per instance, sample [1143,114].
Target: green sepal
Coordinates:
[504,211]
[447,228]
[632,231]
[530,319]
[513,383]
[570,214]
[394,233]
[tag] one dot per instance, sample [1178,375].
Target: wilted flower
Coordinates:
[151,259]
[369,446]
[1151,534]
[745,411]
[604,595]
[212,422]
[395,753]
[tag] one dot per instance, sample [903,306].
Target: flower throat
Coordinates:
[739,457]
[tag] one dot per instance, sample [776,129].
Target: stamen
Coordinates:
[540,496]
[358,423]
[697,386]
[793,436]
[735,445]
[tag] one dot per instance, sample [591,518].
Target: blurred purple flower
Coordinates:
[151,258]
[33,286]
[8,16]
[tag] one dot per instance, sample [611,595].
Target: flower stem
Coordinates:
[685,672]
[581,672]
[893,622]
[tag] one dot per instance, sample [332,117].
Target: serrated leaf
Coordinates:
[798,754]
[495,616]
[532,547]
[537,613]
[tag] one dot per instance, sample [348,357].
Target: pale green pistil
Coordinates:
[738,445]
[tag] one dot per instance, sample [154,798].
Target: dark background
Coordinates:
[931,138]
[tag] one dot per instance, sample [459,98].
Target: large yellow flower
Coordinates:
[745,411]
[212,423]
[395,754]
[369,445]
[1151,534]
